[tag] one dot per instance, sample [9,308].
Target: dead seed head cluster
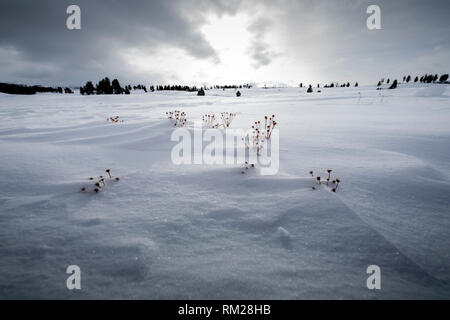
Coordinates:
[115,119]
[269,125]
[226,118]
[332,183]
[177,118]
[100,182]
[209,120]
[260,133]
[247,166]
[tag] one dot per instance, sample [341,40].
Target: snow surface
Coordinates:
[196,232]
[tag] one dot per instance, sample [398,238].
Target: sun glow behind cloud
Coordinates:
[222,42]
[234,39]
[234,42]
[228,36]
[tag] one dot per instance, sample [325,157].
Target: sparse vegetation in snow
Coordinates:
[115,119]
[226,118]
[177,118]
[100,182]
[260,134]
[247,166]
[328,182]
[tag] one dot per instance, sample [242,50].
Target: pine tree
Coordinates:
[117,89]
[443,78]
[104,86]
[89,88]
[394,85]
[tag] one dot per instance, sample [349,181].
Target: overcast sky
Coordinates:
[221,41]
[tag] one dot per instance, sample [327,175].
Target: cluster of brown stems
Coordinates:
[226,118]
[248,166]
[209,120]
[114,119]
[178,118]
[334,182]
[261,134]
[100,182]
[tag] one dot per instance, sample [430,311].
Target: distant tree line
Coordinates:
[246,86]
[195,88]
[138,87]
[337,85]
[105,86]
[428,78]
[332,85]
[173,88]
[29,90]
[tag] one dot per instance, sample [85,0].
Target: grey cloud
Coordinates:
[260,54]
[35,44]
[318,33]
[259,49]
[37,30]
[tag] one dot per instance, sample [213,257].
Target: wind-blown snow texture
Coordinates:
[167,231]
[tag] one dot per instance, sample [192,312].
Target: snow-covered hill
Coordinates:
[198,231]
